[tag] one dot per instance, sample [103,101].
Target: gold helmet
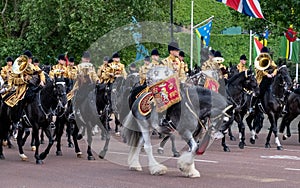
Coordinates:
[20,64]
[262,61]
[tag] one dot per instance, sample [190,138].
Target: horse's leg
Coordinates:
[175,152]
[154,167]
[279,146]
[231,137]
[160,150]
[225,147]
[89,140]
[133,156]
[69,131]
[117,124]
[74,136]
[299,131]
[60,129]
[1,150]
[42,136]
[49,135]
[20,143]
[241,126]
[249,120]
[285,122]
[186,163]
[107,139]
[35,135]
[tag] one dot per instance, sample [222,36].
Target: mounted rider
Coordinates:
[174,63]
[242,64]
[144,70]
[5,74]
[24,82]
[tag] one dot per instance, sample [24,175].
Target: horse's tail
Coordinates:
[131,133]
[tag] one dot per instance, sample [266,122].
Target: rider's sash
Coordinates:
[166,93]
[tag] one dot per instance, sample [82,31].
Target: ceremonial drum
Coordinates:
[158,73]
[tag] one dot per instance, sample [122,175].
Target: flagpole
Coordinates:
[208,19]
[297,72]
[250,47]
[192,32]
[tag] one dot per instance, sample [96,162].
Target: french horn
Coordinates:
[20,64]
[262,61]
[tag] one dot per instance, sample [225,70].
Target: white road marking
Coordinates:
[165,157]
[292,169]
[289,157]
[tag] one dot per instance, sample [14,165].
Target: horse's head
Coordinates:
[284,77]
[250,80]
[59,90]
[232,71]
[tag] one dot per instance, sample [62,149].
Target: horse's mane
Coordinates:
[234,77]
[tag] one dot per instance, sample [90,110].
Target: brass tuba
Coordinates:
[20,64]
[262,61]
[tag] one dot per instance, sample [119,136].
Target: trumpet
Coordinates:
[262,61]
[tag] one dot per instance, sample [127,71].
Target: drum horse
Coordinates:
[184,115]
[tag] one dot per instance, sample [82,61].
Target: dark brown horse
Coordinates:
[293,110]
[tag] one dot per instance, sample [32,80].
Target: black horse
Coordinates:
[293,110]
[271,103]
[239,89]
[39,113]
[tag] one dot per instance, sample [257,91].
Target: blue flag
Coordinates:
[204,31]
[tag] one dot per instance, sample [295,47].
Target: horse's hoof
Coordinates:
[70,145]
[118,133]
[160,150]
[79,154]
[284,137]
[91,158]
[79,136]
[136,168]
[267,145]
[23,157]
[232,138]
[59,153]
[226,149]
[43,155]
[33,148]
[279,148]
[2,157]
[252,141]
[102,154]
[39,162]
[176,154]
[4,143]
[242,145]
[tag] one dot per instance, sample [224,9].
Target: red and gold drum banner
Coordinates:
[166,93]
[211,84]
[145,104]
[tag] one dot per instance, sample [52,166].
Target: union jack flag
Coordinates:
[248,7]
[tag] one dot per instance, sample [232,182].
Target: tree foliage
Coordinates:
[52,27]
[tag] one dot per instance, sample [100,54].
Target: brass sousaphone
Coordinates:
[20,64]
[262,61]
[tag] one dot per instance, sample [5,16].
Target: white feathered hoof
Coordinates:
[23,157]
[186,165]
[136,168]
[158,169]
